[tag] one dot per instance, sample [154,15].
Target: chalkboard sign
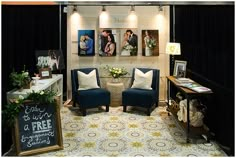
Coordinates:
[38,129]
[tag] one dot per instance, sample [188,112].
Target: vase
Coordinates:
[27,85]
[115,80]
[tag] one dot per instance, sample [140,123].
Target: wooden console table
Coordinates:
[189,94]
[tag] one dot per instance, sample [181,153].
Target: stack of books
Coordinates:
[183,80]
[190,84]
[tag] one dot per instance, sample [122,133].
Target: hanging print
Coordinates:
[107,42]
[86,43]
[150,43]
[129,43]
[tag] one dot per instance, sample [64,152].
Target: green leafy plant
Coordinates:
[20,79]
[116,72]
[11,110]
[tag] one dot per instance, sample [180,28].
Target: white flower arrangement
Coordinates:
[116,72]
[133,50]
[128,47]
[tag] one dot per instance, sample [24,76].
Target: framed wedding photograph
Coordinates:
[150,43]
[180,68]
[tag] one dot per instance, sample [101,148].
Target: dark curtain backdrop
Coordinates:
[206,34]
[24,30]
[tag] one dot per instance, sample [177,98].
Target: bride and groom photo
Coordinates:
[129,44]
[127,40]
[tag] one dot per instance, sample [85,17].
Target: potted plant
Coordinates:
[20,80]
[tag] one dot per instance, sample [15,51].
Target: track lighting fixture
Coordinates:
[132,9]
[74,9]
[160,8]
[103,8]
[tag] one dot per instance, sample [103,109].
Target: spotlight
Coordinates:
[74,9]
[160,8]
[103,8]
[132,9]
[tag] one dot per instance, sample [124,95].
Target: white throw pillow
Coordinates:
[87,81]
[142,80]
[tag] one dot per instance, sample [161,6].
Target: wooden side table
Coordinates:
[189,94]
[116,89]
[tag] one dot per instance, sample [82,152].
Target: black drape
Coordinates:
[24,30]
[206,34]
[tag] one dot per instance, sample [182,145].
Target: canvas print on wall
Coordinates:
[107,42]
[50,58]
[86,43]
[150,43]
[129,43]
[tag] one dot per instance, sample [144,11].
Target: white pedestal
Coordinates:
[116,92]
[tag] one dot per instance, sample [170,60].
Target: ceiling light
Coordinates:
[74,9]
[132,9]
[160,8]
[103,8]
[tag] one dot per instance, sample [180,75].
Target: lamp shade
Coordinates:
[173,48]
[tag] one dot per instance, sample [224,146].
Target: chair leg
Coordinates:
[148,111]
[124,108]
[83,112]
[107,108]
[74,103]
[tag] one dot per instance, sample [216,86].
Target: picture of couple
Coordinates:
[107,44]
[86,43]
[107,39]
[129,44]
[50,59]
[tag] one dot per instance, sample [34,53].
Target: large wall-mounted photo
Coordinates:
[86,43]
[129,44]
[50,59]
[150,43]
[107,42]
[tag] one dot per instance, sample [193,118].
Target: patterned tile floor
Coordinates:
[119,134]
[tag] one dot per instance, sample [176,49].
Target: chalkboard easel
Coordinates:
[38,129]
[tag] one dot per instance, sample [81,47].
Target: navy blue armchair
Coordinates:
[90,98]
[142,97]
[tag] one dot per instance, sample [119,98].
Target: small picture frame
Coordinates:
[45,73]
[180,69]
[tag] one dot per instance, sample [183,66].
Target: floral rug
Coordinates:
[127,134]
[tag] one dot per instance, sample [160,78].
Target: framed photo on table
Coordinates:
[45,73]
[180,68]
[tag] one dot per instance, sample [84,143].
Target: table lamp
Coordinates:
[173,48]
